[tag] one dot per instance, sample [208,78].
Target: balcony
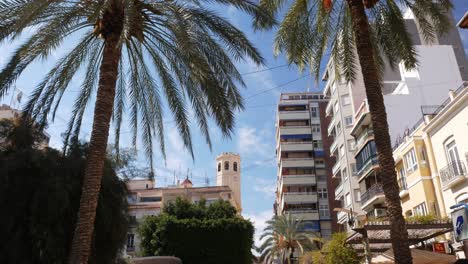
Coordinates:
[299,197]
[452,174]
[334,145]
[336,167]
[331,125]
[299,180]
[304,214]
[342,217]
[373,195]
[403,187]
[295,130]
[296,146]
[297,162]
[339,191]
[329,108]
[368,166]
[363,138]
[294,115]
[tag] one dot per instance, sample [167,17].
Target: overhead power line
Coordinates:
[264,70]
[276,87]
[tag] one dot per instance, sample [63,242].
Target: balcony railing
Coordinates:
[336,167]
[451,172]
[339,190]
[299,193]
[301,211]
[373,191]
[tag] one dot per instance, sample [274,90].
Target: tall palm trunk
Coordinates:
[398,232]
[110,28]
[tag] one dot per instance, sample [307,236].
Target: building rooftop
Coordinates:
[227,153]
[181,188]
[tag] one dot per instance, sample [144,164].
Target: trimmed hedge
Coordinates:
[198,240]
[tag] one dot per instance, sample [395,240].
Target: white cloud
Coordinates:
[259,220]
[265,187]
[251,142]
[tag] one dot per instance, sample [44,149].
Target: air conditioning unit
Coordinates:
[380,212]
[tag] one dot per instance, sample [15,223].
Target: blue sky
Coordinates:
[255,129]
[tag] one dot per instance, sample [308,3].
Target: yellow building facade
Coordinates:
[418,192]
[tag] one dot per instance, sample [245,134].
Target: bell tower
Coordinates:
[228,173]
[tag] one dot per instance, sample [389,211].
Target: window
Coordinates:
[345,99]
[453,158]
[319,162]
[130,241]
[402,180]
[318,144]
[219,166]
[348,120]
[347,199]
[420,209]
[226,165]
[411,161]
[367,154]
[324,210]
[315,128]
[322,193]
[357,195]
[344,173]
[338,128]
[313,112]
[234,166]
[351,144]
[452,152]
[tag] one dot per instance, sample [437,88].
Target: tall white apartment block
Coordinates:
[303,167]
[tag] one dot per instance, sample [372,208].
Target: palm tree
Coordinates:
[376,32]
[132,52]
[283,235]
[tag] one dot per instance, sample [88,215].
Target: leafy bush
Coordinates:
[39,195]
[197,233]
[335,251]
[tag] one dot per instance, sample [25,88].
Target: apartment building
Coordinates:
[341,114]
[145,199]
[442,65]
[304,176]
[448,147]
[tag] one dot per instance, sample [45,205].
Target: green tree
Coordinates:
[334,251]
[132,53]
[375,31]
[283,236]
[40,193]
[198,233]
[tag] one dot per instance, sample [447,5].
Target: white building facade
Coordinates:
[302,179]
